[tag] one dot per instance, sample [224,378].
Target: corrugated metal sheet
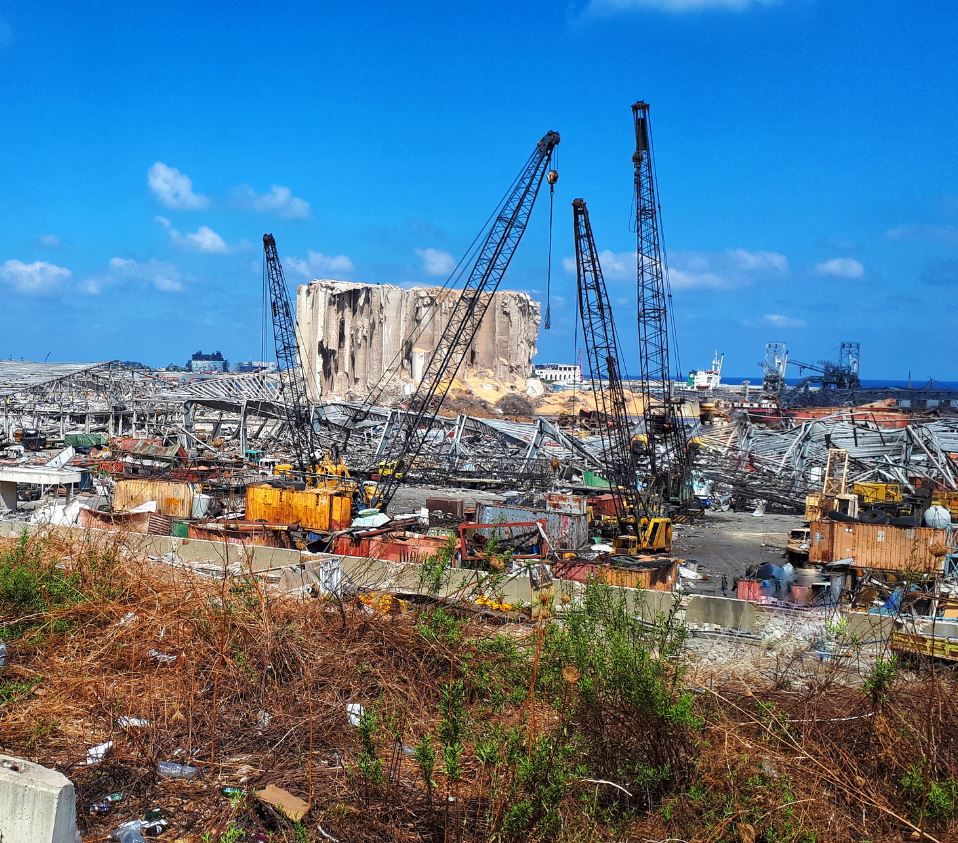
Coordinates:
[566,532]
[173,499]
[146,523]
[153,448]
[878,546]
[313,509]
[241,532]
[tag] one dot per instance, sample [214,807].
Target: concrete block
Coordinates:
[723,612]
[37,805]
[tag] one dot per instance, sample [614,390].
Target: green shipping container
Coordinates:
[590,478]
[86,440]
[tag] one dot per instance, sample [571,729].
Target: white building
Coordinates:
[558,372]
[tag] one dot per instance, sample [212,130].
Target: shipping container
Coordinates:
[320,510]
[396,547]
[879,547]
[569,504]
[565,532]
[173,499]
[450,509]
[658,574]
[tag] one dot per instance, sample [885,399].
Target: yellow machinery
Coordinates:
[879,492]
[655,535]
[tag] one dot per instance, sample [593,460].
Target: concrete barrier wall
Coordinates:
[722,612]
[867,627]
[189,550]
[37,805]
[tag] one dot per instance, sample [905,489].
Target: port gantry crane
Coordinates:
[637,528]
[292,380]
[666,439]
[404,441]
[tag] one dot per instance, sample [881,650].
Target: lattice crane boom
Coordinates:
[291,378]
[667,442]
[605,368]
[495,253]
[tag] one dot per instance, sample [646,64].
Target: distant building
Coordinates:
[207,363]
[248,366]
[558,372]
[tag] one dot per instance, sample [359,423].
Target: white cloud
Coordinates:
[318,265]
[947,234]
[760,261]
[204,239]
[36,277]
[279,201]
[607,7]
[697,270]
[162,275]
[840,268]
[436,261]
[49,241]
[174,188]
[777,320]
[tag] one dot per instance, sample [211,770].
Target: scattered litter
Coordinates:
[129,832]
[326,834]
[263,719]
[162,658]
[132,723]
[292,806]
[354,713]
[127,619]
[3,655]
[95,754]
[231,791]
[100,808]
[172,770]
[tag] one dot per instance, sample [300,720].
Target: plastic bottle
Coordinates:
[172,770]
[129,832]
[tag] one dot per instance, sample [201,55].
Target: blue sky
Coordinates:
[805,151]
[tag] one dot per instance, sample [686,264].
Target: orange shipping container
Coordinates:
[320,510]
[172,498]
[877,546]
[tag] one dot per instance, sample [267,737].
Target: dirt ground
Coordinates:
[728,542]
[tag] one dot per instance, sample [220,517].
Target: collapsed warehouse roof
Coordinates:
[785,465]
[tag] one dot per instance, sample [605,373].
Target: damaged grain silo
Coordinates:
[353,332]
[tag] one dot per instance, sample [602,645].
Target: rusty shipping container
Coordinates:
[319,510]
[569,504]
[172,498]
[398,547]
[880,547]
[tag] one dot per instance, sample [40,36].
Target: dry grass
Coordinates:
[257,690]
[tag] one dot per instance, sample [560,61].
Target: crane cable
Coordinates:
[552,177]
